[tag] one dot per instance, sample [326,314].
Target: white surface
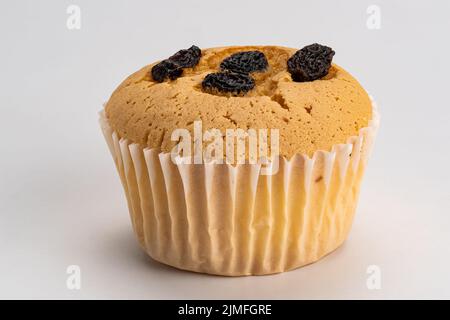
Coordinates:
[61,201]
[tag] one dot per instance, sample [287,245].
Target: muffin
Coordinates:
[254,213]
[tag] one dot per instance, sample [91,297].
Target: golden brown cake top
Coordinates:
[310,115]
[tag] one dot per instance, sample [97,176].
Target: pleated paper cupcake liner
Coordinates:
[232,220]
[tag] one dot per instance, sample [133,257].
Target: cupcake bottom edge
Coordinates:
[232,221]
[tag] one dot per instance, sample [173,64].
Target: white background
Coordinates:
[61,201]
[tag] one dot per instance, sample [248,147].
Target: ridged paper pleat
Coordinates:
[231,220]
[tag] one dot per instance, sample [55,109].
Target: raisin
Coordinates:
[310,63]
[166,69]
[187,58]
[172,68]
[228,82]
[245,62]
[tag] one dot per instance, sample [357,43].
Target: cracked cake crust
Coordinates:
[310,116]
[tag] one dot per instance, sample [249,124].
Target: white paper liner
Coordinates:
[230,220]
